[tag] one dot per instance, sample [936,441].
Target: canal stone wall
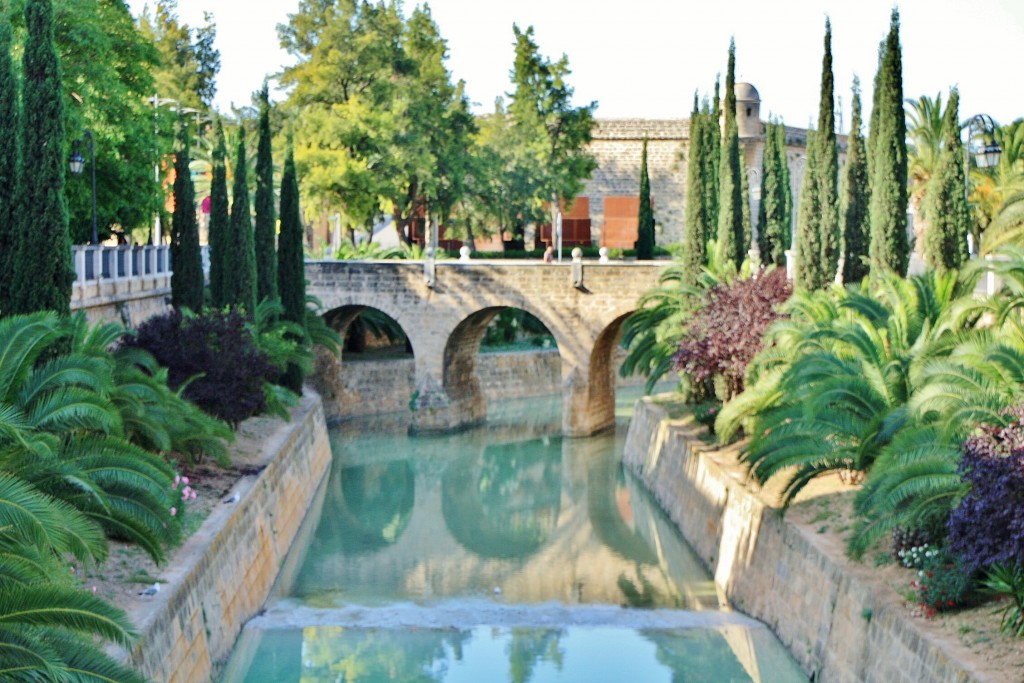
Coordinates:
[223,574]
[824,608]
[370,387]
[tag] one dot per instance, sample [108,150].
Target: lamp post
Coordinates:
[754,206]
[77,164]
[986,156]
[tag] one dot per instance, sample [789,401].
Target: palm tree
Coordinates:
[996,190]
[924,129]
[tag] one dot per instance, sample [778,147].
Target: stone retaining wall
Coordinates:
[826,610]
[385,386]
[223,574]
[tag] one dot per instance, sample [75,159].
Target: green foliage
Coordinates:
[854,198]
[290,264]
[731,247]
[645,238]
[42,269]
[10,165]
[266,221]
[945,242]
[943,583]
[187,278]
[697,218]
[889,250]
[187,62]
[221,247]
[810,271]
[1007,580]
[239,276]
[827,167]
[774,221]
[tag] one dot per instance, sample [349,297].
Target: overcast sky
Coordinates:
[645,58]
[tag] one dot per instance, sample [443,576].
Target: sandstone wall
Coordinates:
[223,574]
[825,609]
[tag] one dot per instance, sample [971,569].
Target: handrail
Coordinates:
[124,261]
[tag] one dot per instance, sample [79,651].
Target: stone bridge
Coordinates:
[582,306]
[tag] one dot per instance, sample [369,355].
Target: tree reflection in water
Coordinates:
[505,505]
[529,647]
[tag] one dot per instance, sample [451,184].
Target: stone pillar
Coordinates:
[435,410]
[587,407]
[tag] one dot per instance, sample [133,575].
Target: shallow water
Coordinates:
[500,553]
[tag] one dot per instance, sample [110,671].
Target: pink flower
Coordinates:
[174,511]
[184,480]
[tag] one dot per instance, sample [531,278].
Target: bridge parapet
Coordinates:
[446,322]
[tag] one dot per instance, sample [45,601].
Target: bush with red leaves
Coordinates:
[728,330]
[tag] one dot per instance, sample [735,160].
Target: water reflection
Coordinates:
[510,510]
[518,655]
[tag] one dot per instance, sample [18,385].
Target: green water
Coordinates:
[502,553]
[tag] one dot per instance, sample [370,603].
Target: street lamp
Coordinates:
[77,164]
[985,156]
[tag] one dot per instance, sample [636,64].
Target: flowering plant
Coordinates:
[943,582]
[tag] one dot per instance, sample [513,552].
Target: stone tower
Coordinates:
[748,111]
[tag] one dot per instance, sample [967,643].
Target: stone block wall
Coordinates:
[223,574]
[825,609]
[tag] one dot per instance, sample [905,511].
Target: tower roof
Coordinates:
[745,92]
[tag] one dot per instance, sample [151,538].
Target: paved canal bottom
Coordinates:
[502,553]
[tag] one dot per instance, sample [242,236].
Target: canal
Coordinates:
[501,553]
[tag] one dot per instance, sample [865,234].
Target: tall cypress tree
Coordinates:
[186,258]
[810,272]
[695,231]
[266,221]
[945,245]
[748,228]
[290,265]
[221,249]
[240,281]
[713,159]
[875,94]
[786,188]
[10,164]
[773,236]
[889,249]
[828,166]
[645,227]
[730,197]
[854,198]
[42,269]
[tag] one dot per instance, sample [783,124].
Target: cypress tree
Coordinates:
[645,228]
[889,249]
[730,198]
[186,258]
[786,188]
[42,271]
[10,164]
[810,272]
[945,245]
[290,265]
[712,159]
[695,231]
[221,250]
[266,221]
[875,94]
[240,280]
[748,231]
[854,198]
[773,235]
[828,167]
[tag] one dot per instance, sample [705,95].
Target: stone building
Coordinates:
[617,144]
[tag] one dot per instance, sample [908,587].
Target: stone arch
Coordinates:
[459,377]
[346,396]
[601,373]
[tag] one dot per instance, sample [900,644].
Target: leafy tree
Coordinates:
[924,130]
[810,270]
[266,221]
[994,190]
[945,246]
[854,198]
[645,239]
[240,272]
[828,167]
[697,216]
[730,198]
[290,265]
[10,165]
[42,270]
[888,213]
[187,278]
[219,237]
[188,61]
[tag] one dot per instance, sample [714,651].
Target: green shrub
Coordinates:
[943,583]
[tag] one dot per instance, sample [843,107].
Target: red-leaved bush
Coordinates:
[728,330]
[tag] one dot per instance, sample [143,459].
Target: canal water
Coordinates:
[501,553]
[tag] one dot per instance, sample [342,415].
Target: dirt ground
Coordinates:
[972,636]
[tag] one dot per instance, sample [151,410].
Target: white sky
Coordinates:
[645,58]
